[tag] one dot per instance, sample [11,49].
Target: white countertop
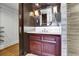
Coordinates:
[43,30]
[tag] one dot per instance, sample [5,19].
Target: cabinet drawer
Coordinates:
[49,37]
[35,37]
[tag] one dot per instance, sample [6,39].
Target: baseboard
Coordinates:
[8,46]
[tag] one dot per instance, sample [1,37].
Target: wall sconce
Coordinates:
[55,9]
[36,13]
[31,14]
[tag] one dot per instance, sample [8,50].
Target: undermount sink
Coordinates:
[56,30]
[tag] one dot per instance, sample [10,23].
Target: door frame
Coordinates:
[21,29]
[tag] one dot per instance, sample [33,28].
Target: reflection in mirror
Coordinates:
[44,19]
[57,14]
[42,14]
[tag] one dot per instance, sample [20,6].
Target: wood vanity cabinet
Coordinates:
[45,45]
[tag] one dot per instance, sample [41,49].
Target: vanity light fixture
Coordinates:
[31,14]
[55,9]
[36,13]
[37,4]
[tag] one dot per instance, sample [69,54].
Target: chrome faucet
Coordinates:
[44,30]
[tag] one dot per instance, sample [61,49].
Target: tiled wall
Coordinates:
[73,29]
[64,29]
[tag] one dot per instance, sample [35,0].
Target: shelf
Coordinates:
[1,27]
[1,36]
[1,41]
[1,31]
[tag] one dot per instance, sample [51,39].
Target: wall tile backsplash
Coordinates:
[64,29]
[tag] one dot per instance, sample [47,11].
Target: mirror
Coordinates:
[42,14]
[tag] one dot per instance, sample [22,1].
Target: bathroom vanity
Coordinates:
[44,43]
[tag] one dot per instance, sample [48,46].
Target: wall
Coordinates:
[73,29]
[64,29]
[1,45]
[0,15]
[9,20]
[28,21]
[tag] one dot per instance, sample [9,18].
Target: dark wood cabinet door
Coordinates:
[48,49]
[51,45]
[58,45]
[35,47]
